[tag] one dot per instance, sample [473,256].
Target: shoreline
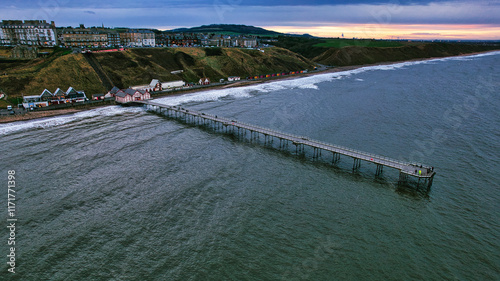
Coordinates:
[243,83]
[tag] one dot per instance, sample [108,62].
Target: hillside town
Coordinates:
[28,37]
[39,33]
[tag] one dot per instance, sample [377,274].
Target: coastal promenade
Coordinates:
[423,174]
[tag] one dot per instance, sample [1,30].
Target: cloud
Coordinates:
[232,3]
[366,15]
[424,33]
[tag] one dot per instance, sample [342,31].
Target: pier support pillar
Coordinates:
[429,184]
[380,169]
[357,164]
[336,158]
[403,178]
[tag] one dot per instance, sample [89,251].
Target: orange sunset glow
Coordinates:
[401,31]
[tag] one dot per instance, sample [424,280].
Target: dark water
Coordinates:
[122,194]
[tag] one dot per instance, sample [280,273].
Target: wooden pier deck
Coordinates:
[423,173]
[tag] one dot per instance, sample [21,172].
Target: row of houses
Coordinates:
[47,98]
[105,37]
[218,40]
[42,34]
[276,74]
[134,93]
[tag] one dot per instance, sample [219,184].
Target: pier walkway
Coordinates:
[424,174]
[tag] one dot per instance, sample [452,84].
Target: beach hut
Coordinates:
[204,81]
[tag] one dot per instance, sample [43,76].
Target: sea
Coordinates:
[120,193]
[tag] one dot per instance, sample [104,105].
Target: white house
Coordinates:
[233,78]
[173,84]
[34,101]
[156,85]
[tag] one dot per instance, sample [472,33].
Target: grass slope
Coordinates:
[355,55]
[59,70]
[70,70]
[343,52]
[340,43]
[139,66]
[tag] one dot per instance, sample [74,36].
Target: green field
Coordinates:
[339,43]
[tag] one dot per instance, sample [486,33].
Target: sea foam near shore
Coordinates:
[9,128]
[308,82]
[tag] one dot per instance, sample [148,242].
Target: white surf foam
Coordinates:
[309,82]
[9,128]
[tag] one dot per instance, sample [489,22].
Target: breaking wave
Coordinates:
[48,122]
[309,82]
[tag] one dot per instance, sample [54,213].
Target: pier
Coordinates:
[423,174]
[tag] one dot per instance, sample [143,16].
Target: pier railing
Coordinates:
[406,169]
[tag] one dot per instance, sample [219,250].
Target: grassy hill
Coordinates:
[357,55]
[340,43]
[342,52]
[138,66]
[60,69]
[228,29]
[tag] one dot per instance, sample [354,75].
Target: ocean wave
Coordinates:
[466,57]
[309,82]
[48,122]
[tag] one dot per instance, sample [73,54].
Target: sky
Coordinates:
[380,19]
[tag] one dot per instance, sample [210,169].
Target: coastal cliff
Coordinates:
[62,69]
[357,55]
[139,66]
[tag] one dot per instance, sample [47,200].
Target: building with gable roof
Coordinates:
[46,95]
[112,92]
[204,81]
[59,94]
[130,95]
[75,96]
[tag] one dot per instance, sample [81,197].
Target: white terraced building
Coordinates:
[30,32]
